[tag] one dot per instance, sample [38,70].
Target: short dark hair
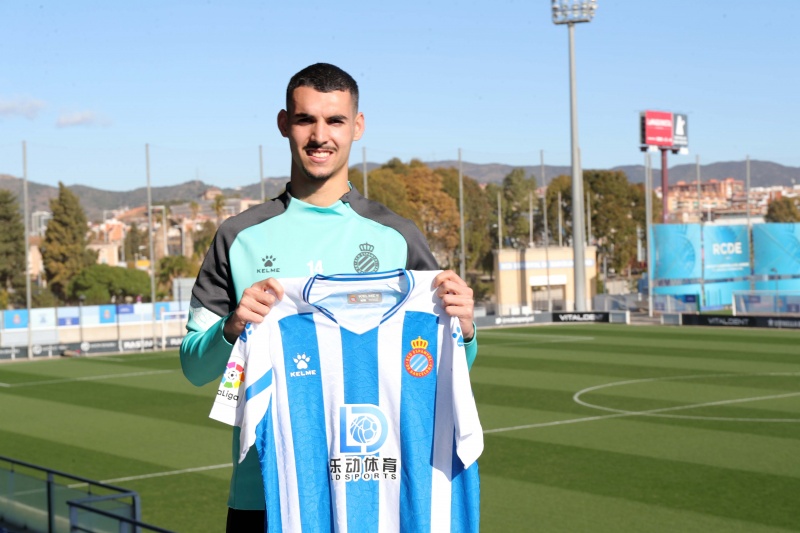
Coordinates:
[325,78]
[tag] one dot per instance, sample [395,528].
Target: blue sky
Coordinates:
[88,83]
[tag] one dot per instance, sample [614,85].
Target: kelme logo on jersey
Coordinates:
[301,363]
[246,332]
[458,336]
[419,361]
[362,429]
[269,265]
[366,261]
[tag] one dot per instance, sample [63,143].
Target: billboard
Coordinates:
[726,252]
[677,251]
[777,248]
[663,128]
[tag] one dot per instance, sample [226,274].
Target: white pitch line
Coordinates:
[534,336]
[5,384]
[554,423]
[89,378]
[618,413]
[169,473]
[155,474]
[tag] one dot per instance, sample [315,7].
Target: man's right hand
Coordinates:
[255,304]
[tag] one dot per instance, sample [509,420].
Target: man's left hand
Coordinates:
[457,300]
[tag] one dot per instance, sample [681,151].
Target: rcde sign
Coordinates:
[726,248]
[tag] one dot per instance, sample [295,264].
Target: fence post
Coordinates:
[51,515]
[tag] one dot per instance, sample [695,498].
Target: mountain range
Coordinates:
[95,201]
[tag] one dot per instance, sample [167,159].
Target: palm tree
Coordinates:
[218,206]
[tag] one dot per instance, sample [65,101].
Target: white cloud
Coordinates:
[81,118]
[24,107]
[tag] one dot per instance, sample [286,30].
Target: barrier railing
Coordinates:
[33,499]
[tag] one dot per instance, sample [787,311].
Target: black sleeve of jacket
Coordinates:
[419,256]
[214,288]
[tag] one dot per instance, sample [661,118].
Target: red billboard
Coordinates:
[656,128]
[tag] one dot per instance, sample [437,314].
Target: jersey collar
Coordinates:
[321,286]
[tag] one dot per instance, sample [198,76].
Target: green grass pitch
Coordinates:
[587,428]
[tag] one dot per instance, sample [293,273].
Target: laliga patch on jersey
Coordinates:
[419,361]
[365,298]
[227,400]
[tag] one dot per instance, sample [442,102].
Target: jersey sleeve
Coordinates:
[258,385]
[468,430]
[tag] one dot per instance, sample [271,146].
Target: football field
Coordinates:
[587,428]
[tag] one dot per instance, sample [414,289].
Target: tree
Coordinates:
[617,208]
[218,205]
[613,201]
[477,217]
[12,251]
[560,184]
[415,192]
[515,202]
[203,238]
[98,283]
[64,251]
[135,243]
[434,211]
[783,209]
[385,186]
[171,267]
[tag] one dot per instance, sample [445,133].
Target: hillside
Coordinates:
[94,201]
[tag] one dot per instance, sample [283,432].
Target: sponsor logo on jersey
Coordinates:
[301,362]
[363,429]
[419,361]
[366,261]
[269,265]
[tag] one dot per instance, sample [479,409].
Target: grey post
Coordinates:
[570,12]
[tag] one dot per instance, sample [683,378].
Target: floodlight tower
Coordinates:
[571,12]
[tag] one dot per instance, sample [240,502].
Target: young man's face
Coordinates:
[321,127]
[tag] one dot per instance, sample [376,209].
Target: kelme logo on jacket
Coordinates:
[366,261]
[269,265]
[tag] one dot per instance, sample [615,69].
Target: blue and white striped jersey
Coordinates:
[358,399]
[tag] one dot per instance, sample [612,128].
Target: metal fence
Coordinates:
[637,302]
[766,303]
[38,499]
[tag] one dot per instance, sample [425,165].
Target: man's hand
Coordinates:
[255,304]
[457,300]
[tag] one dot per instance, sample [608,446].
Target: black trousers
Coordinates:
[245,521]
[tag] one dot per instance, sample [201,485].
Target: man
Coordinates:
[318,225]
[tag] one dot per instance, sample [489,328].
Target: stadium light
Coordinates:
[571,12]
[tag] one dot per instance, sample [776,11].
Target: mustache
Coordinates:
[312,145]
